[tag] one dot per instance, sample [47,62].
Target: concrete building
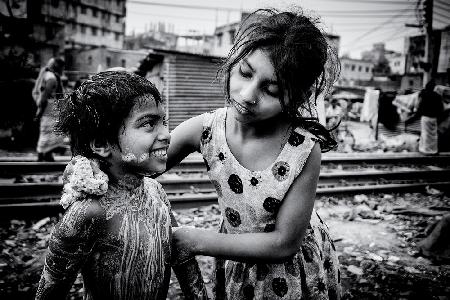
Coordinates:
[224,38]
[90,61]
[397,63]
[87,22]
[46,28]
[355,71]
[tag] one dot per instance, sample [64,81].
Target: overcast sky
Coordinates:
[359,23]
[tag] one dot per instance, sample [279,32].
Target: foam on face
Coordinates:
[129,157]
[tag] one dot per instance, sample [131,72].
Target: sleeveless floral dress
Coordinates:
[249,201]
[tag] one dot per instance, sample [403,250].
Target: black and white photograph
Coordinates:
[211,149]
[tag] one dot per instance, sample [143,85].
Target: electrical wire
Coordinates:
[377,27]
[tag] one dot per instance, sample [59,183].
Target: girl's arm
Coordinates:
[69,246]
[187,271]
[185,139]
[292,221]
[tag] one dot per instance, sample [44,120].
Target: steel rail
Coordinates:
[14,192]
[14,166]
[35,210]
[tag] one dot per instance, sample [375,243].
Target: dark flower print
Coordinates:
[217,187]
[269,228]
[280,170]
[279,286]
[296,139]
[249,292]
[221,156]
[206,164]
[271,205]
[206,135]
[235,184]
[321,285]
[254,181]
[327,264]
[233,217]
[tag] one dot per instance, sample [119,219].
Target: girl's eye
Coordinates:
[272,93]
[244,73]
[149,123]
[166,122]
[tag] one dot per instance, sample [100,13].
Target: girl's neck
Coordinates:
[127,181]
[274,126]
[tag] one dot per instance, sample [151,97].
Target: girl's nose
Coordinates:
[164,134]
[249,93]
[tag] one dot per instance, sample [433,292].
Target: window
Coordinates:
[74,26]
[411,83]
[353,67]
[94,30]
[83,10]
[83,28]
[103,31]
[359,68]
[108,62]
[367,69]
[94,12]
[123,63]
[232,33]
[118,19]
[116,36]
[219,39]
[90,60]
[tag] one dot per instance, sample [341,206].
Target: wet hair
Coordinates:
[305,64]
[96,110]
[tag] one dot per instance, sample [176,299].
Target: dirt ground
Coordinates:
[375,236]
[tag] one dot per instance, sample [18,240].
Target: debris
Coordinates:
[433,191]
[360,198]
[40,223]
[354,270]
[374,257]
[412,270]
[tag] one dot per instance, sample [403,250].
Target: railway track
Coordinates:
[344,174]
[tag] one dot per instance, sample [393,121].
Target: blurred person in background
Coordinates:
[430,108]
[47,89]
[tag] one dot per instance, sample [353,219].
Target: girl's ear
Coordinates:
[102,149]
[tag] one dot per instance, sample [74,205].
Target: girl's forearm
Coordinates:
[191,280]
[254,247]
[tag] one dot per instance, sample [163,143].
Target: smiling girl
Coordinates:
[263,155]
[116,228]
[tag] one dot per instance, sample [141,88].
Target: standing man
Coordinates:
[430,109]
[47,89]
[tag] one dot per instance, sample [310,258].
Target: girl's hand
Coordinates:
[183,244]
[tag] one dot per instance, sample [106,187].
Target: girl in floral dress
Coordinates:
[116,229]
[262,153]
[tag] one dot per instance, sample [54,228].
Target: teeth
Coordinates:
[240,108]
[159,152]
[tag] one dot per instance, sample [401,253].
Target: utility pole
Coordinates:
[428,18]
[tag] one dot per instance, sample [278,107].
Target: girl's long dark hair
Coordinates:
[305,63]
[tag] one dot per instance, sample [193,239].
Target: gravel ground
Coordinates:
[375,237]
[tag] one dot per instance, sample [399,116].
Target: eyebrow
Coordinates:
[269,81]
[149,116]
